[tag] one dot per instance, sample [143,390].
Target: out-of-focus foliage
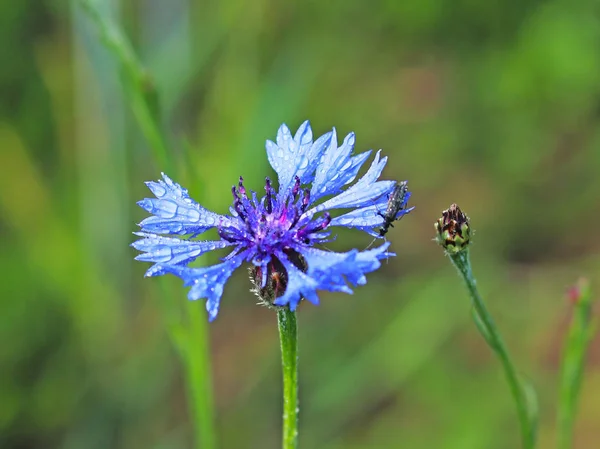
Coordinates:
[494,105]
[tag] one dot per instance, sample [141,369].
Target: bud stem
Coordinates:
[288,335]
[522,393]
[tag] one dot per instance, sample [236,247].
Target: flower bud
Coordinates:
[580,292]
[271,285]
[276,282]
[453,230]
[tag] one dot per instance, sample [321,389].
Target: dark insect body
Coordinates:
[396,203]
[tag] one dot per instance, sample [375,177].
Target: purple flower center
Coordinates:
[276,222]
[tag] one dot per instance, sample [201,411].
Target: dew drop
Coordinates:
[344,221]
[189,213]
[165,209]
[158,190]
[162,254]
[303,163]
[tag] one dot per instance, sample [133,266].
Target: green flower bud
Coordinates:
[453,230]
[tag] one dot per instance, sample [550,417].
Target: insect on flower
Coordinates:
[278,233]
[396,207]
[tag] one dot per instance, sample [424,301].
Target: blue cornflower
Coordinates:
[278,232]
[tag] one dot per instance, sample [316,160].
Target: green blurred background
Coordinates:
[493,105]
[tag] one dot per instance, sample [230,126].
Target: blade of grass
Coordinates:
[139,87]
[577,342]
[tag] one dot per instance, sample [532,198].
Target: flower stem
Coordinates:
[522,393]
[288,336]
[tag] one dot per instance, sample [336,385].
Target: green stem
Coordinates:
[288,335]
[199,377]
[572,366]
[488,329]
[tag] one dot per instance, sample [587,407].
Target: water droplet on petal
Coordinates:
[165,209]
[162,254]
[189,213]
[158,190]
[194,253]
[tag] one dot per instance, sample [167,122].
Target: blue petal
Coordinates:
[366,262]
[368,217]
[337,168]
[174,212]
[364,192]
[363,217]
[299,285]
[172,251]
[330,271]
[207,282]
[403,212]
[295,156]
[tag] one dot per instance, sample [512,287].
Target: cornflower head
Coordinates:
[277,233]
